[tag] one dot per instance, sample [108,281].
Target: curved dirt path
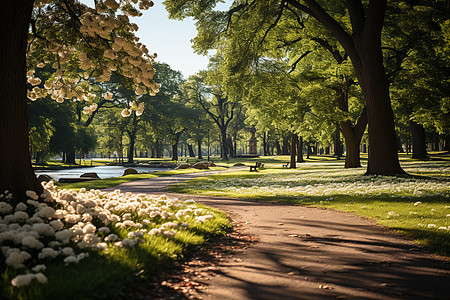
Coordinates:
[311,253]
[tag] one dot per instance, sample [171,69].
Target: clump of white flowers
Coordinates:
[34,232]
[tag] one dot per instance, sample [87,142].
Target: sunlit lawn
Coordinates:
[417,205]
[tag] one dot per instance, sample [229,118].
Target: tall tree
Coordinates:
[361,40]
[219,106]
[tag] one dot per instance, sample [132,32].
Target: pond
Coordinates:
[102,171]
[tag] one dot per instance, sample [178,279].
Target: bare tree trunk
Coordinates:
[279,151]
[175,150]
[419,147]
[300,150]
[352,136]
[199,149]
[191,151]
[16,172]
[224,143]
[294,141]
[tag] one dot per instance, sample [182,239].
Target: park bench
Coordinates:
[257,165]
[286,165]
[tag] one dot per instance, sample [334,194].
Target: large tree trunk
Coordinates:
[419,147]
[70,158]
[383,156]
[16,172]
[367,60]
[294,141]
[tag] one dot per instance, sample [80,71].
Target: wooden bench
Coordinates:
[257,165]
[286,165]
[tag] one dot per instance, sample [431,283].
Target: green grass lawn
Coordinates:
[417,205]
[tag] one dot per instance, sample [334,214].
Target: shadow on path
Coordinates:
[311,253]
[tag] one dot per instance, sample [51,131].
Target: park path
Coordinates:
[311,253]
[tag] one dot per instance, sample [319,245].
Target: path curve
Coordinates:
[312,253]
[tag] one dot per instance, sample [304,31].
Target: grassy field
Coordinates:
[417,205]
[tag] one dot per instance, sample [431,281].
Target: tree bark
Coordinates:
[285,147]
[224,143]
[199,149]
[338,148]
[175,149]
[419,148]
[16,172]
[294,141]
[308,150]
[131,149]
[265,144]
[352,136]
[191,151]
[277,145]
[300,150]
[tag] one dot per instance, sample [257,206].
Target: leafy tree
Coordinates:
[219,106]
[70,36]
[355,25]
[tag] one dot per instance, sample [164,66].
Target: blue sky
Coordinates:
[170,39]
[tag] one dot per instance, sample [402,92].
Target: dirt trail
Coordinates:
[311,253]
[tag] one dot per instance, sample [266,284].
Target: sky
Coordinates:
[171,39]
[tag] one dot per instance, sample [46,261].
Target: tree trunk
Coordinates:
[131,148]
[419,148]
[352,136]
[383,156]
[199,149]
[277,145]
[285,147]
[308,150]
[224,143]
[447,143]
[175,149]
[191,151]
[70,158]
[294,141]
[16,172]
[300,150]
[338,148]
[265,143]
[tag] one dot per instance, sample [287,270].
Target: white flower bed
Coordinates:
[64,227]
[333,180]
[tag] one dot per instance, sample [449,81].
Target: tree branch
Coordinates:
[280,13]
[294,65]
[357,15]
